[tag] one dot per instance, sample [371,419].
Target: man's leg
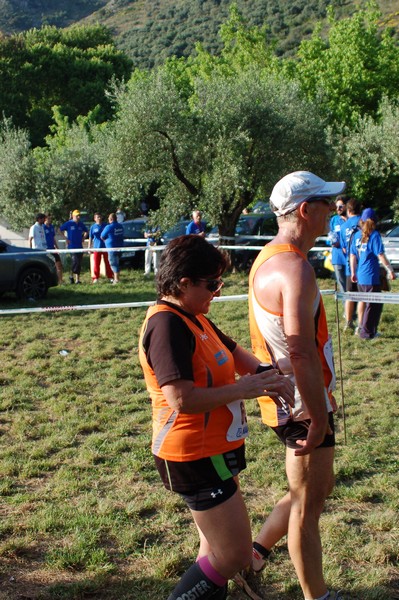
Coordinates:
[147,260]
[156,257]
[96,265]
[340,277]
[311,480]
[108,271]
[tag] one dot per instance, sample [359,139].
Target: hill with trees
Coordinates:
[150,31]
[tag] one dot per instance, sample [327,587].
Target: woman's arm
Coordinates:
[183,396]
[245,362]
[387,265]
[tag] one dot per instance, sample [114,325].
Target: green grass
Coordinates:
[83,513]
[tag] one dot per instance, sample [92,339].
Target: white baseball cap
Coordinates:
[297,187]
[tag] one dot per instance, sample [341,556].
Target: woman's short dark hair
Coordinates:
[188,256]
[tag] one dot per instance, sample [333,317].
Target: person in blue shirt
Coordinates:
[196,226]
[96,242]
[366,253]
[76,232]
[337,256]
[112,235]
[348,229]
[49,232]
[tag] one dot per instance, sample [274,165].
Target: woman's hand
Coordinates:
[268,383]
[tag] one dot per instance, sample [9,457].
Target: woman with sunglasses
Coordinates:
[199,421]
[338,259]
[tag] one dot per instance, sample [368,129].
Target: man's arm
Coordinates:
[298,293]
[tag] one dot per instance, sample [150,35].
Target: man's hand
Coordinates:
[316,435]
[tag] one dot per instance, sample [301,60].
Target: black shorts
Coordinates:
[56,257]
[351,286]
[206,482]
[298,430]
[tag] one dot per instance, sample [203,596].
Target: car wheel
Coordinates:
[32,284]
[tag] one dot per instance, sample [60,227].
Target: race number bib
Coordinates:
[239,426]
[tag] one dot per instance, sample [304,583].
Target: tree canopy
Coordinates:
[70,68]
[350,69]
[218,147]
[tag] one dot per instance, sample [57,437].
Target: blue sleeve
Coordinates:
[189,228]
[104,233]
[91,232]
[353,249]
[64,226]
[377,244]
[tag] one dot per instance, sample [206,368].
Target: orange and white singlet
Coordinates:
[269,344]
[185,437]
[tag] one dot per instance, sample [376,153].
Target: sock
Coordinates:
[259,554]
[201,580]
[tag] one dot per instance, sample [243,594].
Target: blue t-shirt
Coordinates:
[347,228]
[95,235]
[337,256]
[113,235]
[368,266]
[75,231]
[195,228]
[152,239]
[49,232]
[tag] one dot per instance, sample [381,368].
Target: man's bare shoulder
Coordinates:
[284,275]
[287,265]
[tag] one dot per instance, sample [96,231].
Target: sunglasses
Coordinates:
[213,285]
[340,206]
[325,199]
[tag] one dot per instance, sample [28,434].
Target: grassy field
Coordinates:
[83,513]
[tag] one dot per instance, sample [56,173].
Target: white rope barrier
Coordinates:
[46,309]
[137,248]
[370,297]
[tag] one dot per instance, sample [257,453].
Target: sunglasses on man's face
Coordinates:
[325,199]
[340,206]
[213,285]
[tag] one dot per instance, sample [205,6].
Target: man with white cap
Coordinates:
[289,330]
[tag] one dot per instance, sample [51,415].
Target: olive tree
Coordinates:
[18,202]
[369,158]
[217,143]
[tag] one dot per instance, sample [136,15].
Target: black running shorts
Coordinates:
[298,430]
[206,482]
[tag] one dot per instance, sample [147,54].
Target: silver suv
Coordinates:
[27,272]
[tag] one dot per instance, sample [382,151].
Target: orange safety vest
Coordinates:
[184,437]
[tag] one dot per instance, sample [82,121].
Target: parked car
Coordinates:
[27,272]
[133,233]
[391,244]
[247,229]
[176,231]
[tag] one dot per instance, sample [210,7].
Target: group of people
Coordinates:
[359,261]
[42,236]
[198,403]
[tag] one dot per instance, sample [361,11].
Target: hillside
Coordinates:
[151,30]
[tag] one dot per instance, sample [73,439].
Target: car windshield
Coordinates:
[246,225]
[394,232]
[133,230]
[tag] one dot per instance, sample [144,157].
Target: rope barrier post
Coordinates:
[340,361]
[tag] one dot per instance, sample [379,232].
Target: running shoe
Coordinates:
[335,596]
[240,581]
